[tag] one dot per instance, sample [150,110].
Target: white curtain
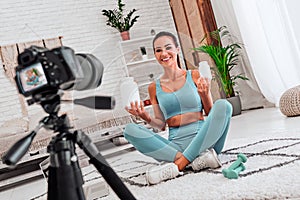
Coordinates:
[251,96]
[269,32]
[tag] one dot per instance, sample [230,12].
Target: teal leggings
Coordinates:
[191,139]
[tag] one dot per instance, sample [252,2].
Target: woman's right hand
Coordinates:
[137,109]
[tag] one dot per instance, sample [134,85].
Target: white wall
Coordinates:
[83,28]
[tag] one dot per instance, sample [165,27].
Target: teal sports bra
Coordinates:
[184,100]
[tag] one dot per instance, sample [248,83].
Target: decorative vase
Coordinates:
[236,105]
[125,35]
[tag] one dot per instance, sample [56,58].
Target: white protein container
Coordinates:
[129,91]
[204,70]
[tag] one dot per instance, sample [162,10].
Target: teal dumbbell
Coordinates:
[234,174]
[236,167]
[241,158]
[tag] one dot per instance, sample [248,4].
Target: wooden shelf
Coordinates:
[140,61]
[143,69]
[136,40]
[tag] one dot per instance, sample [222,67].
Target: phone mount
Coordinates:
[65,177]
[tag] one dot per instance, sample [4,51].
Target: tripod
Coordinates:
[65,178]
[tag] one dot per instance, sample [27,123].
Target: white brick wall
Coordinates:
[9,101]
[83,28]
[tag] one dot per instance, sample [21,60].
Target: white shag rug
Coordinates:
[272,172]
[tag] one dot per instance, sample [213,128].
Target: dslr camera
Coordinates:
[42,70]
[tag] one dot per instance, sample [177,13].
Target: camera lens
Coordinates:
[92,69]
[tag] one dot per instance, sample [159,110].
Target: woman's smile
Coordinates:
[166,59]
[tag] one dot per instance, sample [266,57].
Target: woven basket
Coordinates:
[289,103]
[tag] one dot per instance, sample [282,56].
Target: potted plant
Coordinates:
[225,58]
[116,18]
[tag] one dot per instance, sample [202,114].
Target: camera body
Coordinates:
[41,70]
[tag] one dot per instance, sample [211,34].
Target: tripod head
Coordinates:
[50,101]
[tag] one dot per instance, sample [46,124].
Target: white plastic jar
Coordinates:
[129,91]
[204,70]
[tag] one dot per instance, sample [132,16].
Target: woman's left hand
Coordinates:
[203,86]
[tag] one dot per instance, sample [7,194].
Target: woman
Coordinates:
[178,99]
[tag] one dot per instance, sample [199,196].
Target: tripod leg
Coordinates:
[52,191]
[65,178]
[110,176]
[62,184]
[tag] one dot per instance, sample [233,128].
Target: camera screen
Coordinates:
[33,77]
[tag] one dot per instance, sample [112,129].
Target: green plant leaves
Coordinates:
[117,19]
[225,58]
